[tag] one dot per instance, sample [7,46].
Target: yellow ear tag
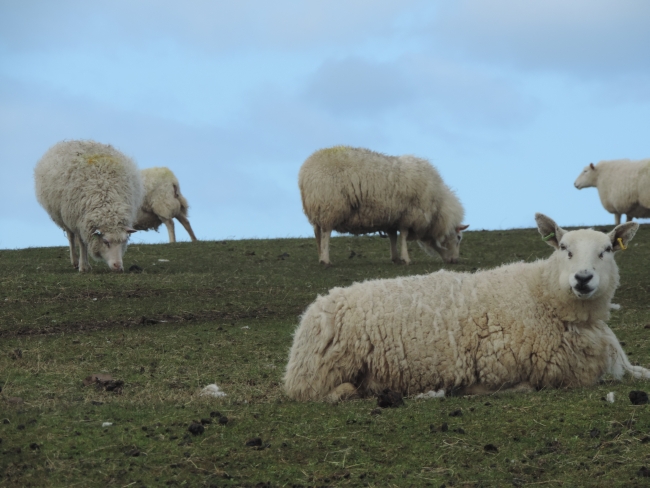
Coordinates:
[620,241]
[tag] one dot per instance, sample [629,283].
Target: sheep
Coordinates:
[519,326]
[358,191]
[623,186]
[162,203]
[93,192]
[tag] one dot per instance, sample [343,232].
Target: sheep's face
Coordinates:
[448,248]
[585,257]
[110,247]
[587,178]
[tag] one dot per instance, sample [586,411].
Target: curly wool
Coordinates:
[86,186]
[358,191]
[623,186]
[496,329]
[162,203]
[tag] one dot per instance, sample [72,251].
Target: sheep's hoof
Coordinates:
[326,265]
[398,261]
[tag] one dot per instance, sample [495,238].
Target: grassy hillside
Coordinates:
[224,312]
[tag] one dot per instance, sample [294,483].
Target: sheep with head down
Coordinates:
[162,203]
[358,191]
[93,192]
[519,326]
[623,186]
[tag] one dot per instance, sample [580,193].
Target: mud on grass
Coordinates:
[224,312]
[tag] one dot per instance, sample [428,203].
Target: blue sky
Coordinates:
[508,99]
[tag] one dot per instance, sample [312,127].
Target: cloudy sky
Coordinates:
[508,99]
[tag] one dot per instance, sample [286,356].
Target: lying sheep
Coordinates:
[93,192]
[359,191]
[623,186]
[162,203]
[519,326]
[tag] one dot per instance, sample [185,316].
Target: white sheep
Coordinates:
[162,203]
[359,191]
[623,186]
[93,192]
[519,326]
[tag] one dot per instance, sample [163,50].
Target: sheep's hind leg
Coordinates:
[318,237]
[617,219]
[170,229]
[73,249]
[325,247]
[186,223]
[345,391]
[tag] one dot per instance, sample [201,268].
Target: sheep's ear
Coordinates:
[461,228]
[130,230]
[591,165]
[622,234]
[551,232]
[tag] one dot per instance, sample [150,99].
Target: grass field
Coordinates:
[224,312]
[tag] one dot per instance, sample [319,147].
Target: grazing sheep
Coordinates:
[359,191]
[623,186]
[519,326]
[162,203]
[93,192]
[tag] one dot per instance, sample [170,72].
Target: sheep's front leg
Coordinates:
[84,265]
[617,219]
[345,391]
[170,229]
[628,218]
[73,250]
[403,234]
[186,223]
[392,235]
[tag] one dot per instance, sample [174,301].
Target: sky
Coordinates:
[508,99]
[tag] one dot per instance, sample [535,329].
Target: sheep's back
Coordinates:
[78,180]
[358,191]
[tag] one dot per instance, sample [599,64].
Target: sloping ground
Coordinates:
[224,312]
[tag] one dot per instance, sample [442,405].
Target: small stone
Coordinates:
[223,420]
[638,397]
[491,448]
[196,428]
[456,413]
[594,433]
[444,427]
[254,442]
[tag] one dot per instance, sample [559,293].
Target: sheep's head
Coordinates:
[110,246]
[448,247]
[585,257]
[587,178]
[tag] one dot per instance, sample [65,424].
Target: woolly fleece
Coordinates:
[358,191]
[93,192]
[162,203]
[521,325]
[623,186]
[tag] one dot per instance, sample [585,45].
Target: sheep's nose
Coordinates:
[583,278]
[117,267]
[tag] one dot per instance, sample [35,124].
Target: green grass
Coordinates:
[224,312]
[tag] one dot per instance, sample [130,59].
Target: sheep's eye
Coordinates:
[609,249]
[108,244]
[562,247]
[570,255]
[601,255]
